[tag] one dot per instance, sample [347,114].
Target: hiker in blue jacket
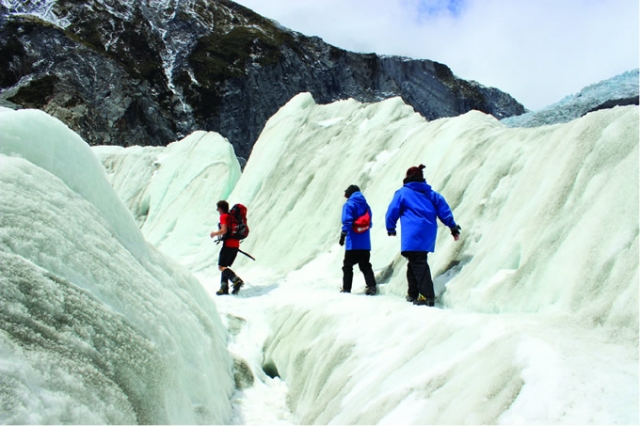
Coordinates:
[356,222]
[418,206]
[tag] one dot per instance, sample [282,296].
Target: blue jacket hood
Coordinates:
[358,199]
[422,187]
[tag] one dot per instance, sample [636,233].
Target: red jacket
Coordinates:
[230,242]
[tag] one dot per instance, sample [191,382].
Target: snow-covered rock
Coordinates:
[96,326]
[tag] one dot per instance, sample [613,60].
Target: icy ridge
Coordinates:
[154,183]
[96,326]
[620,87]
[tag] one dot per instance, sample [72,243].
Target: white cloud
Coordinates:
[538,51]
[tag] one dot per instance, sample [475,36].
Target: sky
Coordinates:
[538,51]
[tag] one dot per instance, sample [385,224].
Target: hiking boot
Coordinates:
[223,290]
[237,283]
[411,299]
[342,290]
[424,301]
[371,291]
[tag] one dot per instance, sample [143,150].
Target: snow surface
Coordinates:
[96,326]
[538,308]
[623,86]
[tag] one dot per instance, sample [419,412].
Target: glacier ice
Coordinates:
[621,87]
[538,317]
[172,191]
[540,298]
[96,326]
[541,303]
[527,199]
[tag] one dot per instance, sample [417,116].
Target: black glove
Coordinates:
[343,235]
[391,233]
[455,230]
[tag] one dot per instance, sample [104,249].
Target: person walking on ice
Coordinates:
[229,251]
[417,206]
[356,223]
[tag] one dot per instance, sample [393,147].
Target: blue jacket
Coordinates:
[417,206]
[353,208]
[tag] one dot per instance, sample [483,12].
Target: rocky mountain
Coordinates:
[149,72]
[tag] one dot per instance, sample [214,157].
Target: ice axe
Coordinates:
[247,254]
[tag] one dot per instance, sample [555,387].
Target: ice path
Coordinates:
[265,400]
[353,359]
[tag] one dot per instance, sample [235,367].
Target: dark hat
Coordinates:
[350,190]
[414,174]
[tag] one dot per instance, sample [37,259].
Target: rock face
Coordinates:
[150,72]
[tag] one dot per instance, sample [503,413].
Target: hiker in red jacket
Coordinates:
[228,252]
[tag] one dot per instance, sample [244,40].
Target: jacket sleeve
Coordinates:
[443,210]
[393,212]
[347,216]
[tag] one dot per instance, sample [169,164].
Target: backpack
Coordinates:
[237,227]
[362,224]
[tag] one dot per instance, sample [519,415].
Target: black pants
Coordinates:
[360,257]
[227,256]
[419,274]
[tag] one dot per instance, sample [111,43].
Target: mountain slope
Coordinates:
[148,73]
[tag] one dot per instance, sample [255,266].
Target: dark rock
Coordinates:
[242,374]
[634,100]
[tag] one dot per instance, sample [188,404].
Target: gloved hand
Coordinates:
[455,231]
[391,233]
[343,235]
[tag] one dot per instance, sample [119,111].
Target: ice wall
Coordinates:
[95,325]
[50,145]
[550,214]
[172,191]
